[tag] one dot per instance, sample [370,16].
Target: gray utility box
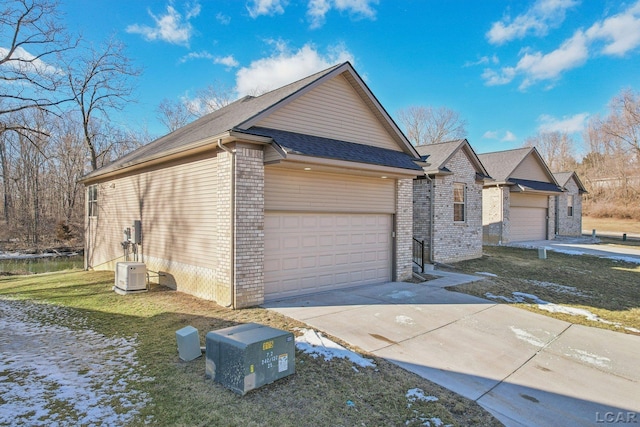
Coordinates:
[249,356]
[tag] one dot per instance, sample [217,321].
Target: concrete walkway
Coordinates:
[585,246]
[524,368]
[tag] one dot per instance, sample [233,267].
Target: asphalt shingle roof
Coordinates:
[501,164]
[535,185]
[308,145]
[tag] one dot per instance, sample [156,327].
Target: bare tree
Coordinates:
[623,123]
[100,84]
[175,114]
[29,69]
[429,125]
[556,148]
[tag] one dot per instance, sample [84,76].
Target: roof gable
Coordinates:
[245,112]
[563,179]
[439,154]
[521,163]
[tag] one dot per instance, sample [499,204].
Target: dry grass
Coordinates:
[609,289]
[316,395]
[611,225]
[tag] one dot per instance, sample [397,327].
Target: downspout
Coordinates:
[501,215]
[432,217]
[232,153]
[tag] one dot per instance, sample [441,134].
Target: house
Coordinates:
[519,204]
[302,189]
[568,205]
[447,202]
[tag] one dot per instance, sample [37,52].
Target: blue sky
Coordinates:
[509,68]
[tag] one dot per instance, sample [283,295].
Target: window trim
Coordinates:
[570,205]
[92,201]
[462,203]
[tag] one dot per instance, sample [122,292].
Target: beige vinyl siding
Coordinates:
[332,110]
[293,190]
[529,200]
[530,169]
[177,207]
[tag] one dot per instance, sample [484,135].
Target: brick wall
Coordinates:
[249,227]
[422,213]
[457,241]
[570,225]
[404,229]
[495,219]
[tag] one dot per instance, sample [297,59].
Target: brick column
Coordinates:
[404,229]
[249,227]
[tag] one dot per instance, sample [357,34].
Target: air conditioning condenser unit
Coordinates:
[130,277]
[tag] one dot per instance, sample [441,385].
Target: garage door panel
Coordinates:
[528,223]
[340,250]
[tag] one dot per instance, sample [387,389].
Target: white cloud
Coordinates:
[543,15]
[490,134]
[482,61]
[170,27]
[568,124]
[228,60]
[357,9]
[286,66]
[266,7]
[223,19]
[621,33]
[537,66]
[509,137]
[615,35]
[22,61]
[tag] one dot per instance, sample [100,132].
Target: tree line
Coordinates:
[58,93]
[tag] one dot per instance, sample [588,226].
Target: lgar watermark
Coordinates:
[619,417]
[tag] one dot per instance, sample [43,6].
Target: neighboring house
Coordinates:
[519,204]
[447,202]
[303,189]
[568,205]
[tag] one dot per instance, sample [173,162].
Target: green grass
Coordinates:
[316,395]
[607,288]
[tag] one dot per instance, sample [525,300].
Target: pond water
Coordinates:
[41,265]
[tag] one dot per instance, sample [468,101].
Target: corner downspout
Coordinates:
[432,219]
[233,220]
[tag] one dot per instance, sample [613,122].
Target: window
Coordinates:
[459,199]
[570,205]
[92,200]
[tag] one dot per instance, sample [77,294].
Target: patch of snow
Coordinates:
[404,320]
[562,289]
[593,359]
[566,251]
[44,362]
[500,297]
[523,335]
[314,344]
[417,394]
[484,273]
[402,294]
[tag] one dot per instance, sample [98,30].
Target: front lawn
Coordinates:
[130,340]
[580,289]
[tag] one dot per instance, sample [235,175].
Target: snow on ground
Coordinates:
[56,371]
[522,297]
[417,395]
[577,251]
[484,273]
[313,343]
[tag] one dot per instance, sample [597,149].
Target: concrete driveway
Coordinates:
[524,368]
[581,245]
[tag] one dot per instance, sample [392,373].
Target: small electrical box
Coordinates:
[136,232]
[249,356]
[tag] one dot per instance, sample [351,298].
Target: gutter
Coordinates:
[232,153]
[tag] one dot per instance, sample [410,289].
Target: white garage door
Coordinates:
[528,223]
[311,252]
